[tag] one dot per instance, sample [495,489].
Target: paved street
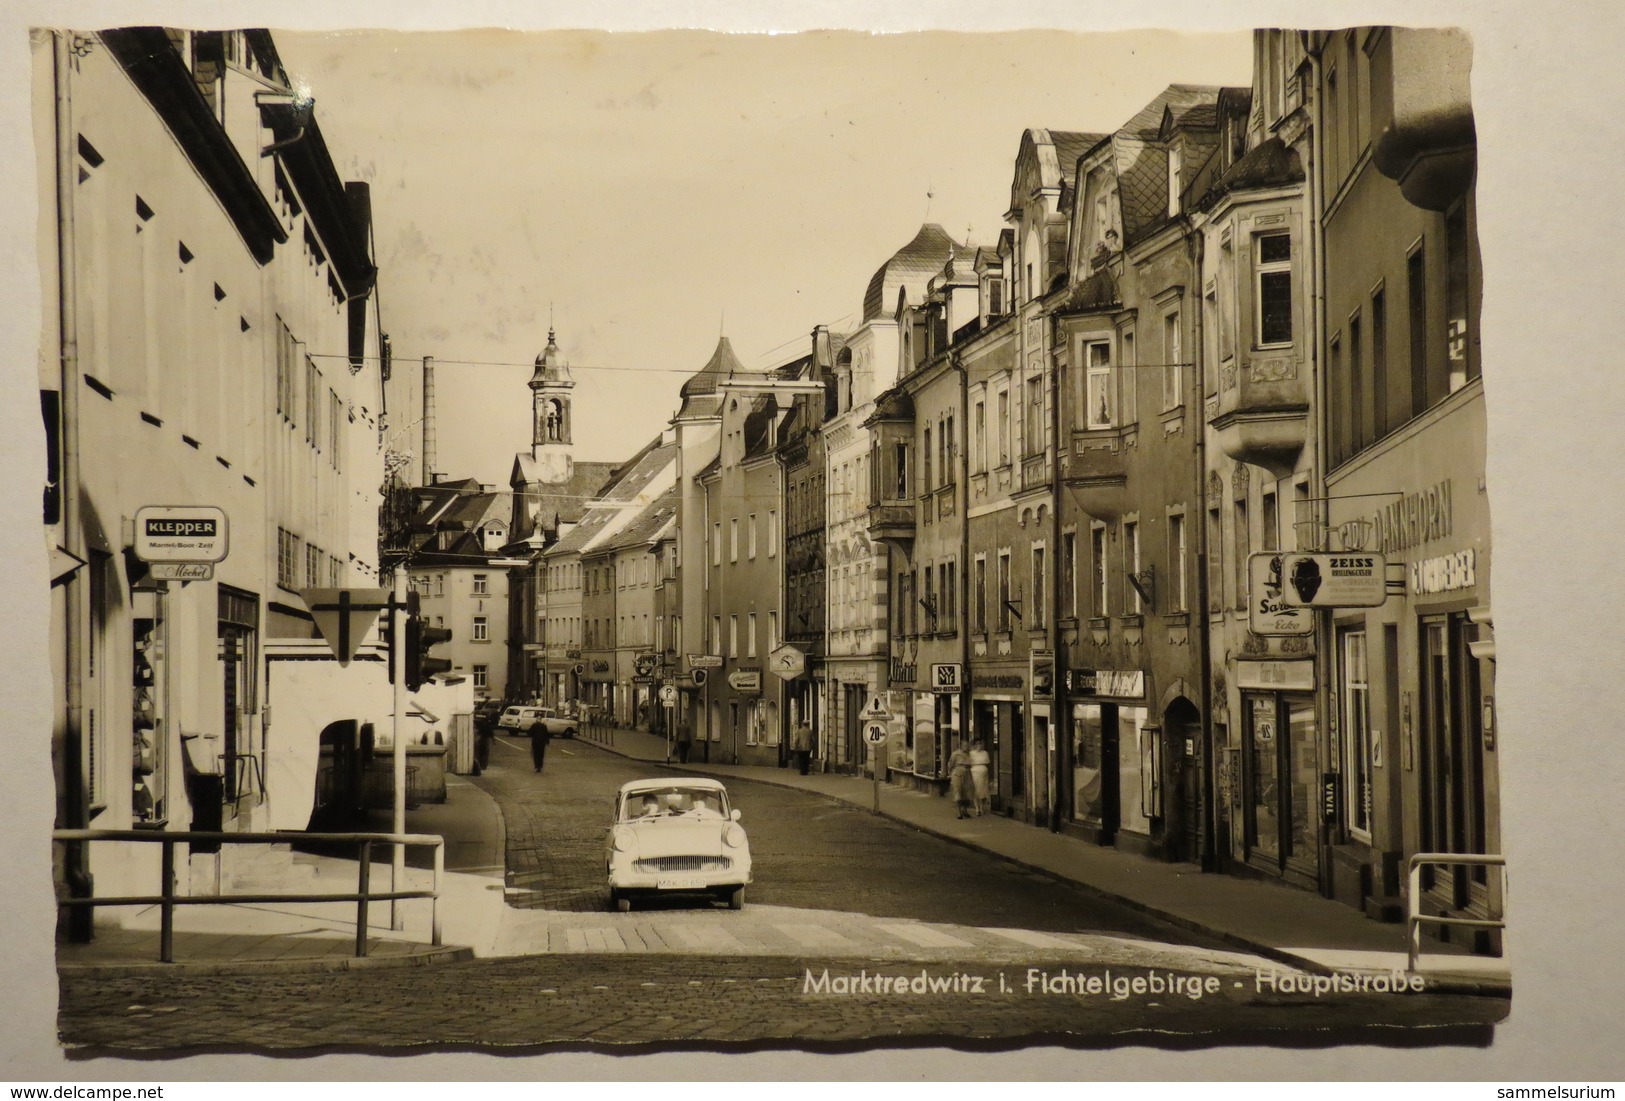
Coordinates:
[843,907]
[828,878]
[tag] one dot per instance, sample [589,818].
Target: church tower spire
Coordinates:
[551,420]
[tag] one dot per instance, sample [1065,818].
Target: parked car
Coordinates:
[676,836]
[487,711]
[519,719]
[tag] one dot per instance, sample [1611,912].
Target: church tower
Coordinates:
[550,388]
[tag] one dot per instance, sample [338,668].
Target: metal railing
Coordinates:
[1413,899]
[167,900]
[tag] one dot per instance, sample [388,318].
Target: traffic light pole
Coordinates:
[397,740]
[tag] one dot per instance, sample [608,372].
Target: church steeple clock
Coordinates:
[550,388]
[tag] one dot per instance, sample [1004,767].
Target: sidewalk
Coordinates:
[319,936]
[1295,927]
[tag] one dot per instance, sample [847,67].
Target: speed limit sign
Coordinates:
[874,733]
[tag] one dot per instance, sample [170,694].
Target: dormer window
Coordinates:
[1175,164]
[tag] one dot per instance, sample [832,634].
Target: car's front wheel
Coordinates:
[621,903]
[736,898]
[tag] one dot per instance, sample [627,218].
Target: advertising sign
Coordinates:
[1268,611]
[745,680]
[1334,580]
[168,533]
[705,661]
[947,676]
[787,662]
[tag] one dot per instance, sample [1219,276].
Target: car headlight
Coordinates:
[625,840]
[734,835]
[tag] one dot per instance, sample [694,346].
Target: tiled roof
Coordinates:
[639,472]
[721,365]
[553,504]
[1069,146]
[910,266]
[647,524]
[1141,161]
[1268,164]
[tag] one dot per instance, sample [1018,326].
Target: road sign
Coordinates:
[705,661]
[1268,612]
[787,663]
[745,680]
[668,693]
[1335,580]
[875,710]
[947,676]
[345,616]
[180,533]
[874,733]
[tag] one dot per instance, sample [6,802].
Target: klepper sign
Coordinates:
[1335,580]
[1268,610]
[186,533]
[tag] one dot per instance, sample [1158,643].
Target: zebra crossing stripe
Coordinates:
[1027,937]
[814,936]
[923,936]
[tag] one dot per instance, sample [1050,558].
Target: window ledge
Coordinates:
[1131,620]
[1177,619]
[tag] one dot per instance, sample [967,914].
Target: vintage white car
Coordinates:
[676,835]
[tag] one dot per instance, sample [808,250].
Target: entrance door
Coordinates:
[1182,819]
[1279,788]
[852,715]
[1452,744]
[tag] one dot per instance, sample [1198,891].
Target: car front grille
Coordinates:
[659,864]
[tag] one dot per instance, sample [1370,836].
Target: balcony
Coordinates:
[1429,146]
[1263,410]
[1096,473]
[893,521]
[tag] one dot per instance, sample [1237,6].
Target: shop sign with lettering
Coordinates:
[170,533]
[1337,580]
[1117,683]
[1279,676]
[1269,613]
[1444,574]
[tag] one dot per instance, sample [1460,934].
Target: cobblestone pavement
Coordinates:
[589,1000]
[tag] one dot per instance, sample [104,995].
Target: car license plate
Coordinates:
[680,883]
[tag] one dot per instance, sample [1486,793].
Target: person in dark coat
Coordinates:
[539,737]
[685,740]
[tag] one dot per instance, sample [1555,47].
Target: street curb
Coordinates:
[296,966]
[1469,987]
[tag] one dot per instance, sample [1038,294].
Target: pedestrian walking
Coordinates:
[980,759]
[959,780]
[685,741]
[539,737]
[484,730]
[801,745]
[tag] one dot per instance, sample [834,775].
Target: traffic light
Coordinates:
[1041,674]
[420,639]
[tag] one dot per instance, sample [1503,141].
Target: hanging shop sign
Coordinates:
[181,533]
[787,662]
[947,676]
[1334,580]
[705,661]
[745,680]
[1268,611]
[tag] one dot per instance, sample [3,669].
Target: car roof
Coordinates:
[636,786]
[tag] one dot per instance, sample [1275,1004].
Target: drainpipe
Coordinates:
[74,809]
[1060,807]
[966,719]
[1316,186]
[1204,640]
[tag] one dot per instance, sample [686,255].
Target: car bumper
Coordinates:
[629,881]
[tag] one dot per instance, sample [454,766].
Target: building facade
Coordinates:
[209,309]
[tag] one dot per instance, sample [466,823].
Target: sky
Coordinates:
[646,193]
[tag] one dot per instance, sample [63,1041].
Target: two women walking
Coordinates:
[967,778]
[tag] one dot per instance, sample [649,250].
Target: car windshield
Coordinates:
[676,801]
